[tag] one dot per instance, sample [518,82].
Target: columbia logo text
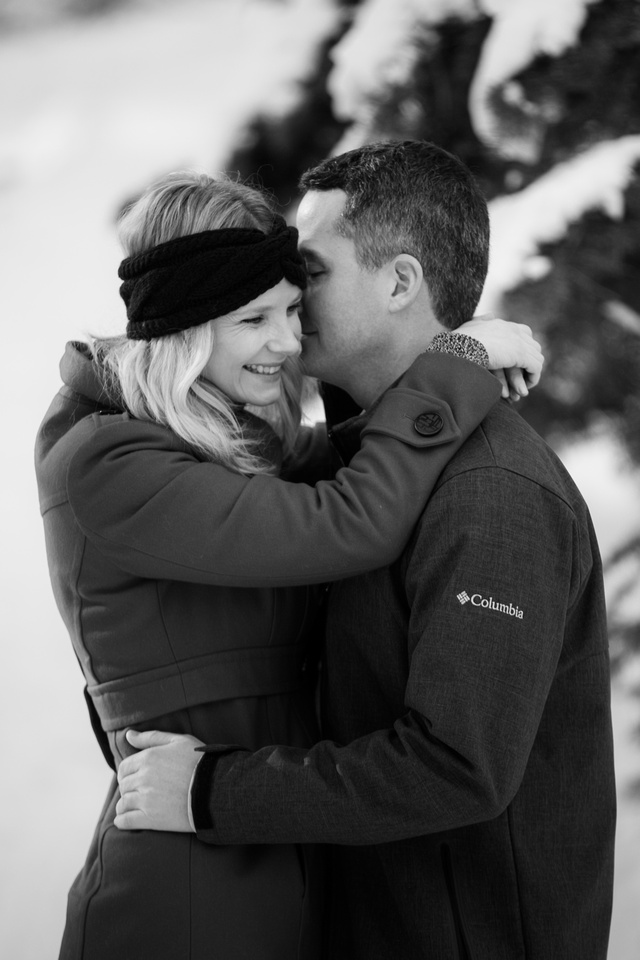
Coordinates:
[477,600]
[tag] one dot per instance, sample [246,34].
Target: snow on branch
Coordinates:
[379,51]
[521,30]
[541,213]
[622,315]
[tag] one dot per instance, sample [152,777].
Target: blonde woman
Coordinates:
[186,569]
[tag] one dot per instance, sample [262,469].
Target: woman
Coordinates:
[173,548]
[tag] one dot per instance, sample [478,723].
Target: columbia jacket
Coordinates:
[466,775]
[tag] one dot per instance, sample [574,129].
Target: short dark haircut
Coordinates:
[413,197]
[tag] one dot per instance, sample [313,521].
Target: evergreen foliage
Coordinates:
[586,308]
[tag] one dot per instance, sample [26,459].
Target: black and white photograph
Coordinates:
[321,522]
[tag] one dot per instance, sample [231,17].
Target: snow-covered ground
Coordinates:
[91,112]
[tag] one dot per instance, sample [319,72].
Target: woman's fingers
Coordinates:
[532,376]
[508,345]
[500,375]
[517,383]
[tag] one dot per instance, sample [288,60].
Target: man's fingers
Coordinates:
[130,814]
[128,783]
[143,739]
[127,802]
[132,820]
[129,766]
[131,783]
[154,782]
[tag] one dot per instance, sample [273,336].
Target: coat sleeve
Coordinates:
[156,511]
[477,685]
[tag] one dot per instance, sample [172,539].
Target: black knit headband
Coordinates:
[187,281]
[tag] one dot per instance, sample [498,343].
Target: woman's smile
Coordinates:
[265,370]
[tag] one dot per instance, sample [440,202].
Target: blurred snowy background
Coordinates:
[99,97]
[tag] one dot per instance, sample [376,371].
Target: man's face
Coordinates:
[343,305]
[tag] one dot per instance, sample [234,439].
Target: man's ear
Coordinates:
[407,281]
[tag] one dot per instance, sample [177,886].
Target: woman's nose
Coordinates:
[287,338]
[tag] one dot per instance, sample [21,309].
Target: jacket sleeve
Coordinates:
[477,685]
[156,511]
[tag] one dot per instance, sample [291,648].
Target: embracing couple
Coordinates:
[446,790]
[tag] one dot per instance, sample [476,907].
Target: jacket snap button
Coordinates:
[428,424]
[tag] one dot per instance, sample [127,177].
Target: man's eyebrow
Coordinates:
[310,254]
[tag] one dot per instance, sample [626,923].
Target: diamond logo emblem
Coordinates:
[464,597]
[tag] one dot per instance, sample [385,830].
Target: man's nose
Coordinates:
[304,304]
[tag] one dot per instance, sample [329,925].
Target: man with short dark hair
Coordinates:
[466,779]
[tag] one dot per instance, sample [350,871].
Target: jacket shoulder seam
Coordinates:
[501,468]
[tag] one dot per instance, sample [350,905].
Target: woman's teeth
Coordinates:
[261,368]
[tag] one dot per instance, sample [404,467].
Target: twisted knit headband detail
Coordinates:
[193,279]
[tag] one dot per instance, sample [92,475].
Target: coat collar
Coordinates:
[81,374]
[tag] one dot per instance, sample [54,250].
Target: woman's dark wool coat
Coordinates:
[170,574]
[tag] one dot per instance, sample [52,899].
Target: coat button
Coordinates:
[428,424]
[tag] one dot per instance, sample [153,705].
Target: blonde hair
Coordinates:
[161,379]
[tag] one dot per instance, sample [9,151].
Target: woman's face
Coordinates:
[252,343]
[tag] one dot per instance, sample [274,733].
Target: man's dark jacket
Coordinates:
[468,779]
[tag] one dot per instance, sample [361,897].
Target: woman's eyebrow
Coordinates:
[247,311]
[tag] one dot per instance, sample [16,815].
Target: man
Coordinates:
[466,781]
